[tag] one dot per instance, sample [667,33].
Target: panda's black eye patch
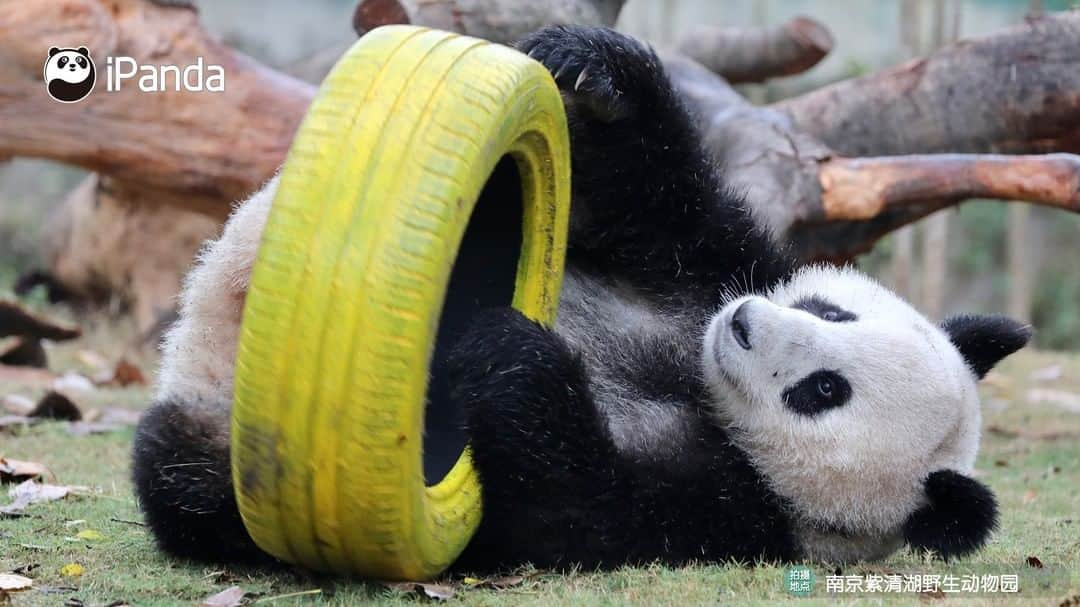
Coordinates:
[62,62]
[824,309]
[81,62]
[820,391]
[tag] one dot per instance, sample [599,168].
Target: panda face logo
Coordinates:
[69,74]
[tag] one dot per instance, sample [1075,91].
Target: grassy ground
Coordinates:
[1030,457]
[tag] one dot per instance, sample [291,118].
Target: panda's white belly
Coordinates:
[617,332]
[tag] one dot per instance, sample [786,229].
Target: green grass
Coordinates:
[1031,458]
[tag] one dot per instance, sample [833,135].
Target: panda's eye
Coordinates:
[818,392]
[63,61]
[824,386]
[823,309]
[81,62]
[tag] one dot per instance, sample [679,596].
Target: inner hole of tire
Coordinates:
[483,276]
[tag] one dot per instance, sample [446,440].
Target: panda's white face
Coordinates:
[68,65]
[846,398]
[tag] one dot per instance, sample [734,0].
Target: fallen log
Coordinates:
[496,20]
[1016,91]
[208,148]
[757,54]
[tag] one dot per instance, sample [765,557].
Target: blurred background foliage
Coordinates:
[979,258]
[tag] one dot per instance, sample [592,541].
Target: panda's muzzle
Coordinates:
[740,328]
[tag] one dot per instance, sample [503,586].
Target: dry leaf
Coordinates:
[119,415]
[1030,435]
[90,535]
[30,492]
[126,373]
[88,428]
[23,352]
[92,359]
[17,320]
[439,592]
[1061,399]
[11,582]
[26,376]
[230,597]
[496,583]
[1051,373]
[18,404]
[72,570]
[1033,561]
[16,421]
[55,405]
[18,470]
[73,384]
[1029,496]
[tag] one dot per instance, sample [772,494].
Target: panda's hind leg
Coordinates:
[181,453]
[184,484]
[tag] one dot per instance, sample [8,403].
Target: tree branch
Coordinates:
[861,188]
[1016,91]
[756,54]
[214,145]
[831,207]
[497,20]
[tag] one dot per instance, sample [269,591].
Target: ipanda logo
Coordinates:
[70,75]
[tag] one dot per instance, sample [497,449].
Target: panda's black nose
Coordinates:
[740,328]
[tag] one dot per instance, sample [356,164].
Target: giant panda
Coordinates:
[700,398]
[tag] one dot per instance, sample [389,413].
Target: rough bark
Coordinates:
[830,207]
[207,148]
[110,239]
[1017,91]
[756,54]
[497,20]
[861,188]
[17,320]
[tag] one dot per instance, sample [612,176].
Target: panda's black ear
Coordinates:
[84,51]
[983,340]
[957,519]
[53,50]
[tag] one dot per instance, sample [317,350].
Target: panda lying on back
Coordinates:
[699,399]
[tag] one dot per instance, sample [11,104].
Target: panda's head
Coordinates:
[862,413]
[69,73]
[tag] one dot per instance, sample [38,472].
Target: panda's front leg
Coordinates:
[649,204]
[526,398]
[547,465]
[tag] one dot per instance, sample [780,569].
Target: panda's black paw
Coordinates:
[610,75]
[511,374]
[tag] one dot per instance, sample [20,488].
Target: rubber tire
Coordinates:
[340,320]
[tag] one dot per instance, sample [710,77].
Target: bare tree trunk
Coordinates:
[496,20]
[935,242]
[902,266]
[756,54]
[1019,265]
[1019,262]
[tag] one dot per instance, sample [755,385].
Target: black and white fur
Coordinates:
[700,398]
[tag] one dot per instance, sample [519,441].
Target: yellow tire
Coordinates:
[341,318]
